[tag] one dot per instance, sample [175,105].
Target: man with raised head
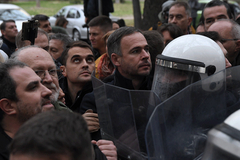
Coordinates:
[180,14]
[229,32]
[98,27]
[22,96]
[43,22]
[9,32]
[215,10]
[53,135]
[77,67]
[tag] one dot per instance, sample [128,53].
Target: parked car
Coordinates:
[14,12]
[76,20]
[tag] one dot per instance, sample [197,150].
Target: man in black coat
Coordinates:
[91,9]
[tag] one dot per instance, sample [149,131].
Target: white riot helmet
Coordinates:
[224,140]
[185,60]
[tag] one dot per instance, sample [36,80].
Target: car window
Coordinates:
[71,13]
[15,14]
[78,15]
[62,12]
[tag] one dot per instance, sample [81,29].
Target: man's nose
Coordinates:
[47,78]
[45,91]
[145,55]
[84,64]
[174,20]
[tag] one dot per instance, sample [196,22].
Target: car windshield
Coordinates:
[14,14]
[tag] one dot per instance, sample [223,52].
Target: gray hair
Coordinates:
[65,39]
[183,4]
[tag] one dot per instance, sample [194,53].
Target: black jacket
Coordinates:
[88,101]
[5,141]
[74,106]
[91,8]
[12,46]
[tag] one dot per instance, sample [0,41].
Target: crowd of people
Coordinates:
[99,99]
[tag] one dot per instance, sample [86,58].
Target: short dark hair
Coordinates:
[156,45]
[211,34]
[3,24]
[80,44]
[60,21]
[54,133]
[155,42]
[214,3]
[7,83]
[174,30]
[104,22]
[182,4]
[114,40]
[40,17]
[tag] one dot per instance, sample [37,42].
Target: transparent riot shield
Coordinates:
[123,115]
[178,127]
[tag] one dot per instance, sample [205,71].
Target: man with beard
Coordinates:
[42,63]
[129,52]
[22,96]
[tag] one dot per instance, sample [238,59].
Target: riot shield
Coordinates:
[123,115]
[177,129]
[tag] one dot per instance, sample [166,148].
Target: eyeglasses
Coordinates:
[42,73]
[225,40]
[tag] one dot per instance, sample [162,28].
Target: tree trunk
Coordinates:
[38,3]
[137,14]
[150,13]
[117,1]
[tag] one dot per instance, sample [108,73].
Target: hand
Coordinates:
[228,64]
[108,148]
[92,120]
[61,96]
[86,19]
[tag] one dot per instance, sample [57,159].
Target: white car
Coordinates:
[76,19]
[14,12]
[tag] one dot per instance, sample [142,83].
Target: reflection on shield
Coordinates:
[178,127]
[123,115]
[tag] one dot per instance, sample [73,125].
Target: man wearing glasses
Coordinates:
[230,38]
[42,63]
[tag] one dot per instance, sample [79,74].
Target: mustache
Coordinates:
[45,100]
[85,70]
[51,86]
[146,63]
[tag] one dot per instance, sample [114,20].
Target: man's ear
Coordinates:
[189,21]
[237,45]
[8,106]
[115,59]
[2,31]
[63,70]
